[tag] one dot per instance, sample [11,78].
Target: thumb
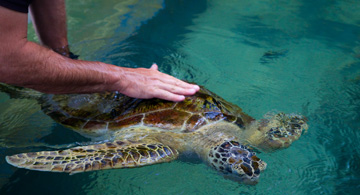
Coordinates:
[154,67]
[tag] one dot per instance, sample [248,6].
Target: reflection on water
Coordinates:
[313,69]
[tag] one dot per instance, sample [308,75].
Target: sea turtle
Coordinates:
[149,131]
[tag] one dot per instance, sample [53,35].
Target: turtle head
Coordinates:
[280,130]
[236,162]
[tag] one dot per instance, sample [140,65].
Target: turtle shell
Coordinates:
[113,111]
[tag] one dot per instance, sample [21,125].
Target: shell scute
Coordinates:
[75,123]
[213,116]
[94,125]
[127,122]
[166,119]
[145,106]
[200,103]
[194,122]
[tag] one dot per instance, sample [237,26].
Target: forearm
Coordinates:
[39,68]
[28,64]
[49,19]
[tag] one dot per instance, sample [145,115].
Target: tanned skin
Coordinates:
[27,64]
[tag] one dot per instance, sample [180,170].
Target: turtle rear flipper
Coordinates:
[110,155]
[19,92]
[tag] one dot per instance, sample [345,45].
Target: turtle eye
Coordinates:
[232,158]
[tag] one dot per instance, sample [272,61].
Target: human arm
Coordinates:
[49,19]
[27,64]
[46,14]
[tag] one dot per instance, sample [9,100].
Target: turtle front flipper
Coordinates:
[236,161]
[110,155]
[278,131]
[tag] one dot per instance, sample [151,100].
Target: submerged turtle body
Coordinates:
[144,132]
[102,114]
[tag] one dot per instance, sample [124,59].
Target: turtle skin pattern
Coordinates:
[96,157]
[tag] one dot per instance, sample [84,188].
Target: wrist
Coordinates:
[65,51]
[120,82]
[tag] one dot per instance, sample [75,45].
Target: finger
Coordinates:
[174,81]
[165,78]
[166,95]
[154,67]
[177,90]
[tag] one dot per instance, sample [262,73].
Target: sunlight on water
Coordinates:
[296,56]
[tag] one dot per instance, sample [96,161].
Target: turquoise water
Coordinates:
[294,56]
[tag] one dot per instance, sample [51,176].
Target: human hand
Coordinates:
[151,83]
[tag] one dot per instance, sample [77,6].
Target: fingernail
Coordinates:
[181,98]
[196,87]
